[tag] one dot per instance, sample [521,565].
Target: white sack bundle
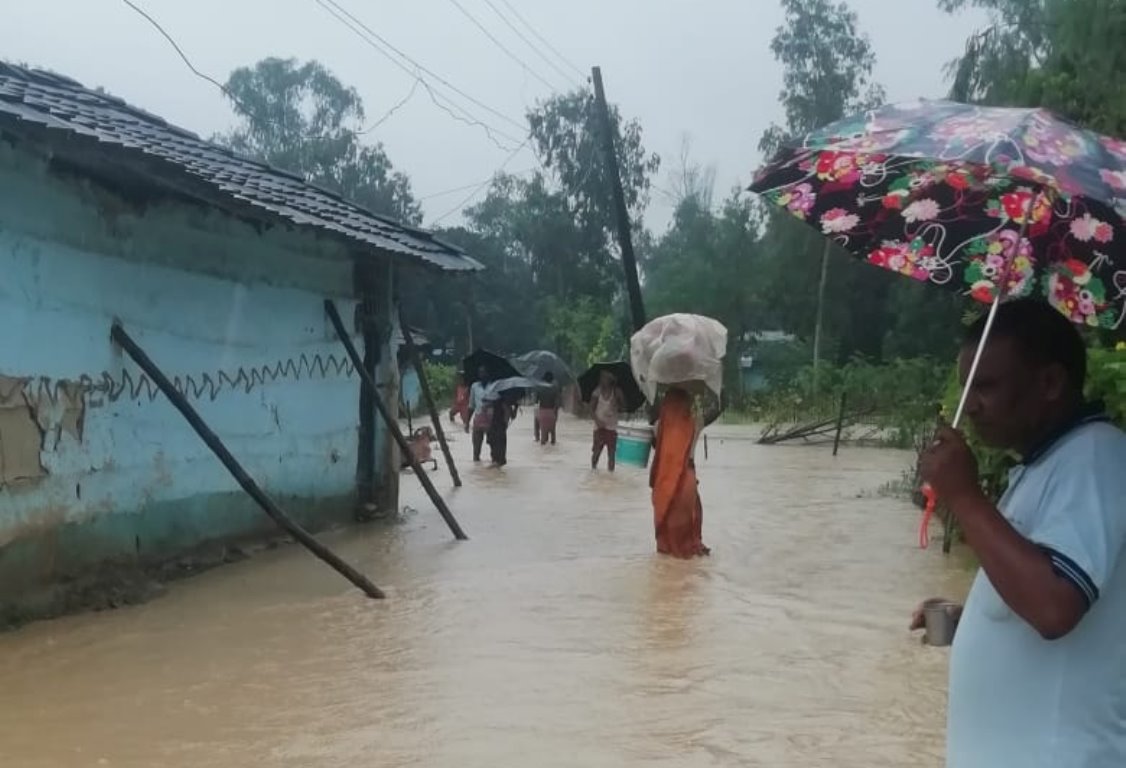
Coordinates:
[676,349]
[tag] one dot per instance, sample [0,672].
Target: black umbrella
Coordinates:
[513,388]
[623,375]
[496,366]
[537,363]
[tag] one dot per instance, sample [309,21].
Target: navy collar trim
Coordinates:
[1088,413]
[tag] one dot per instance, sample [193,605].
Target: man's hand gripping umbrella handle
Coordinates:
[928,492]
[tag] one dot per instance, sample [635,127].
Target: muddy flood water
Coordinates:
[554,637]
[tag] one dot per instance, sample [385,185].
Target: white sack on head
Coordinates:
[679,348]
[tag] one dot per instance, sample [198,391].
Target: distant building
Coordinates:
[752,376]
[218,266]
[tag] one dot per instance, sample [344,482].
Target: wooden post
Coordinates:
[118,335]
[428,397]
[621,213]
[469,318]
[365,452]
[392,424]
[840,422]
[820,314]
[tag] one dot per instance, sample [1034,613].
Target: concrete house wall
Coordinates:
[95,463]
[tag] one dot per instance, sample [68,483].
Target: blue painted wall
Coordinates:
[94,462]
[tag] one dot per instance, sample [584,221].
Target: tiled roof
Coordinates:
[36,100]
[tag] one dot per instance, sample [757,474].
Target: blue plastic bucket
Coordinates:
[634,446]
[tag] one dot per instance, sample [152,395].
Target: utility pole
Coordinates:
[621,213]
[820,314]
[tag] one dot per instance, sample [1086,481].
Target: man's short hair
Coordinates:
[1041,333]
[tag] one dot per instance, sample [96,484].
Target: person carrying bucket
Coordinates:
[608,404]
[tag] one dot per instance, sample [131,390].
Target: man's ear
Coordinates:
[1055,384]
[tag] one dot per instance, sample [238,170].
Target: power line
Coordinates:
[464,187]
[239,103]
[395,108]
[530,44]
[419,68]
[526,67]
[461,115]
[480,186]
[543,40]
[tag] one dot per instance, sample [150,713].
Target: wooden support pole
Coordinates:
[119,336]
[840,422]
[817,328]
[365,453]
[424,383]
[621,213]
[392,425]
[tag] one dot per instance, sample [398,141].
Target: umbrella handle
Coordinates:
[1002,286]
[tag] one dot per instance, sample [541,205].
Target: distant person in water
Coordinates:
[460,408]
[678,514]
[502,411]
[547,414]
[608,402]
[479,414]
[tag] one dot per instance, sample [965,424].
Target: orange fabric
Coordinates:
[461,403]
[678,515]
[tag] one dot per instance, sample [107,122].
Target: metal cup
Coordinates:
[940,623]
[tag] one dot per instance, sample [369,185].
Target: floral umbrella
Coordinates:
[993,202]
[963,196]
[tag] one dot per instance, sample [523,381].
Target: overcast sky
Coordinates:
[699,69]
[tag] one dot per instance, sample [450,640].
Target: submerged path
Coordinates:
[555,637]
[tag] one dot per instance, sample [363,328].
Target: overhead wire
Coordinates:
[246,110]
[471,185]
[535,49]
[504,49]
[477,190]
[381,44]
[542,39]
[461,114]
[356,25]
[395,108]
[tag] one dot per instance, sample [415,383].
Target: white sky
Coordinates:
[699,69]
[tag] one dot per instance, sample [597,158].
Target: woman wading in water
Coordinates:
[678,514]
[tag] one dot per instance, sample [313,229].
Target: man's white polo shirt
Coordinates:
[1016,699]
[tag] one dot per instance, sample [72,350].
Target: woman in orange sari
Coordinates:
[678,515]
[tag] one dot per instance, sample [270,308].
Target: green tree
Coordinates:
[827,67]
[495,309]
[300,117]
[548,242]
[1065,55]
[582,332]
[705,262]
[566,133]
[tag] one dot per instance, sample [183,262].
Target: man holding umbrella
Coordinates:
[998,204]
[1038,670]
